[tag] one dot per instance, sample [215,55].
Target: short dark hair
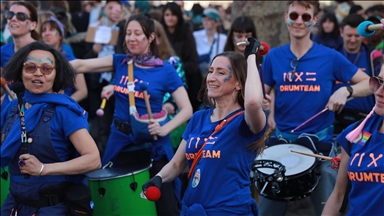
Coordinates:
[352,20]
[308,4]
[65,74]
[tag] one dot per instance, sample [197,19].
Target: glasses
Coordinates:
[45,68]
[305,17]
[294,65]
[19,15]
[375,83]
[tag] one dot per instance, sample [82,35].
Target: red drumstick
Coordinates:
[6,88]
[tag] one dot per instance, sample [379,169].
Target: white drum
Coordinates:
[280,174]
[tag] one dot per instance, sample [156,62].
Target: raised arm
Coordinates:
[253,92]
[93,65]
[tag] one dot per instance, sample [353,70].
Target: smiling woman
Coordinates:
[55,124]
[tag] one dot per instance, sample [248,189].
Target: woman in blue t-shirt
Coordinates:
[362,161]
[55,148]
[220,143]
[160,77]
[52,31]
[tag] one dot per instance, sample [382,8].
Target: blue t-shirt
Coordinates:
[363,103]
[62,125]
[310,89]
[159,81]
[221,179]
[366,168]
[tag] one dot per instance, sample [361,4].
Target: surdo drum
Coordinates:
[282,175]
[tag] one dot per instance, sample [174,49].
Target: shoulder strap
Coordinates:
[200,152]
[48,113]
[131,84]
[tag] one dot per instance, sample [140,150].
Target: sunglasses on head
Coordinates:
[375,83]
[305,17]
[45,68]
[19,15]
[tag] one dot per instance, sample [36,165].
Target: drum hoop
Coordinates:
[123,175]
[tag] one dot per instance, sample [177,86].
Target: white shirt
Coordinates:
[203,46]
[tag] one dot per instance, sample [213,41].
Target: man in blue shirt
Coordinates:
[303,74]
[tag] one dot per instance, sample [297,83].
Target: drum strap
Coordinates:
[200,152]
[131,85]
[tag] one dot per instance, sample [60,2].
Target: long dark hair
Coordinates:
[180,30]
[148,27]
[335,32]
[239,68]
[32,14]
[65,75]
[242,24]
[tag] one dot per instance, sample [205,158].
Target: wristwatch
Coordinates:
[350,90]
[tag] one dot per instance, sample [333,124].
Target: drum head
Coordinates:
[294,163]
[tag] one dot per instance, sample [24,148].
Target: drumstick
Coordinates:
[100,111]
[310,119]
[313,155]
[6,88]
[144,87]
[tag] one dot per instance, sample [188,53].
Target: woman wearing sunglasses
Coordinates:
[21,21]
[59,146]
[52,31]
[362,161]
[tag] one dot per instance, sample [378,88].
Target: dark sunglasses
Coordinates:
[45,68]
[294,64]
[375,83]
[305,17]
[19,15]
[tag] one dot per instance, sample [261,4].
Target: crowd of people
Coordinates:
[216,104]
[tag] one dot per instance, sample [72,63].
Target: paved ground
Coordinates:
[300,208]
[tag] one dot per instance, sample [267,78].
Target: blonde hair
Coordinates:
[164,50]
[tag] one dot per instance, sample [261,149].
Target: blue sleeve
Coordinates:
[117,59]
[342,68]
[68,49]
[267,70]
[173,79]
[5,112]
[69,121]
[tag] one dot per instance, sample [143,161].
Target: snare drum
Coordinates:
[117,191]
[282,175]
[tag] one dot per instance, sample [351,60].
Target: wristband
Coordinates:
[41,170]
[350,90]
